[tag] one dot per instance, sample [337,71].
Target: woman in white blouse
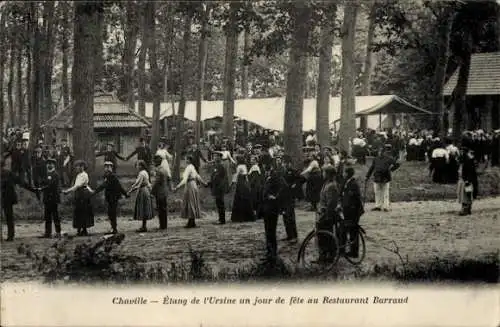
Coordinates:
[143,201]
[242,203]
[191,201]
[165,156]
[314,182]
[83,215]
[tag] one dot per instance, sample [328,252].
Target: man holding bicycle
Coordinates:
[352,208]
[327,215]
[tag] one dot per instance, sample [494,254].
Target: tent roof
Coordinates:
[392,105]
[484,75]
[270,112]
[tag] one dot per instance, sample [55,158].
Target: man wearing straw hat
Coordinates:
[113,192]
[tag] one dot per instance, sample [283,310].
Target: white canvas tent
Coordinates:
[270,112]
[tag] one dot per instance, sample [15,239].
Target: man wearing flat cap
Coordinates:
[142,151]
[382,167]
[162,183]
[113,192]
[50,188]
[111,155]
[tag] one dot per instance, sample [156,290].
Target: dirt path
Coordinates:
[422,230]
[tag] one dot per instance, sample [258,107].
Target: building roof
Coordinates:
[270,112]
[108,113]
[484,75]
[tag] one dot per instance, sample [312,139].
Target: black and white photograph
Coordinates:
[181,143]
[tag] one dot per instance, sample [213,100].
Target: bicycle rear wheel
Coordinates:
[309,253]
[361,247]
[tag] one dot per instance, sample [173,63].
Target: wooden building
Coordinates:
[483,93]
[114,123]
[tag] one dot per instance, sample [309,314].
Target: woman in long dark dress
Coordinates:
[143,201]
[83,215]
[191,201]
[242,203]
[255,180]
[314,183]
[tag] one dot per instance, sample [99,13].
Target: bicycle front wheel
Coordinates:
[319,251]
[359,245]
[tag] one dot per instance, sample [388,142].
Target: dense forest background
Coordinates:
[55,53]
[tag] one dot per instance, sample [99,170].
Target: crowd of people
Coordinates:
[266,181]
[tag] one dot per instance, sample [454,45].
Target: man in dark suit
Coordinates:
[142,151]
[272,194]
[218,184]
[111,155]
[197,156]
[51,198]
[382,167]
[292,179]
[39,167]
[9,197]
[352,207]
[113,192]
[160,190]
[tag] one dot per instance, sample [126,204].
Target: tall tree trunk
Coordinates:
[10,84]
[368,63]
[202,63]
[157,76]
[142,63]
[296,82]
[86,38]
[244,66]
[2,73]
[179,119]
[325,71]
[128,63]
[36,76]
[99,52]
[65,52]
[167,58]
[460,92]
[19,86]
[49,58]
[230,74]
[348,96]
[444,31]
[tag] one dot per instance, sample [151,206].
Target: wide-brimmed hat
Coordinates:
[80,163]
[50,161]
[108,163]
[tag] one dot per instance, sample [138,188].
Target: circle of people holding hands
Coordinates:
[266,183]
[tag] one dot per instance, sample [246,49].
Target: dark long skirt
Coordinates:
[313,186]
[83,214]
[255,183]
[452,171]
[438,166]
[242,203]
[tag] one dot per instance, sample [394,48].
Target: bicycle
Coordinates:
[332,238]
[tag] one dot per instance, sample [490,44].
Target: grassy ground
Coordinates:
[422,231]
[410,183]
